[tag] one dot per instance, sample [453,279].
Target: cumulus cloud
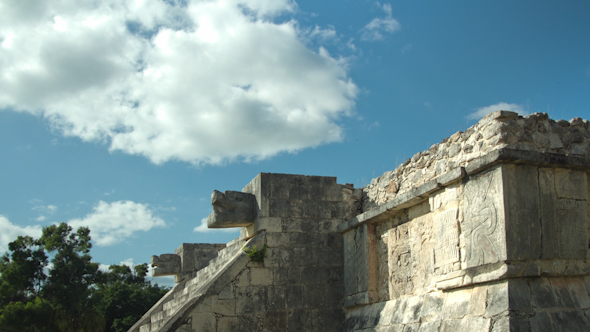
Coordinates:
[483,111]
[112,223]
[374,30]
[202,228]
[197,81]
[10,232]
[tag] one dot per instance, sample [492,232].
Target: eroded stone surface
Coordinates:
[232,209]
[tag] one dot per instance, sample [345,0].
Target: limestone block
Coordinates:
[165,265]
[522,211]
[224,307]
[376,310]
[562,294]
[204,322]
[519,296]
[413,310]
[542,293]
[564,220]
[232,209]
[541,322]
[248,323]
[398,314]
[571,184]
[430,326]
[410,251]
[295,297]
[274,320]
[261,277]
[228,324]
[498,301]
[226,293]
[484,225]
[478,301]
[280,276]
[300,320]
[456,304]
[579,292]
[251,300]
[446,229]
[361,263]
[277,298]
[433,305]
[328,320]
[386,314]
[243,279]
[569,321]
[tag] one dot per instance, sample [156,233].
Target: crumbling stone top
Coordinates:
[497,130]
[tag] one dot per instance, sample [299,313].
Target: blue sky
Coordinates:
[124,116]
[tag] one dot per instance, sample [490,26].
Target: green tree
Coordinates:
[124,294]
[51,284]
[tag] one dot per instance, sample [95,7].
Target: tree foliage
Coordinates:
[51,284]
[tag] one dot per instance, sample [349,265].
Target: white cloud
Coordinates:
[483,111]
[112,223]
[202,228]
[205,82]
[374,30]
[9,232]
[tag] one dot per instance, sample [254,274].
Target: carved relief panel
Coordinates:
[483,222]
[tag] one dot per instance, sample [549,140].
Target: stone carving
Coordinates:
[232,209]
[481,221]
[446,251]
[166,265]
[411,246]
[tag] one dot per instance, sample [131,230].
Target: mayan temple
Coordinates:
[486,231]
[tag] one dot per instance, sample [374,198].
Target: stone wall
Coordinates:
[498,130]
[491,234]
[526,304]
[298,286]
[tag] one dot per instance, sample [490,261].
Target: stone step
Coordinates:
[182,295]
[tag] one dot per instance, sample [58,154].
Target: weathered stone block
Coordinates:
[328,320]
[568,321]
[484,224]
[386,314]
[224,307]
[232,209]
[571,184]
[413,309]
[521,201]
[251,300]
[299,320]
[277,298]
[541,322]
[228,324]
[498,299]
[166,264]
[433,306]
[204,322]
[456,304]
[564,220]
[295,297]
[477,303]
[276,320]
[542,293]
[226,293]
[579,292]
[519,296]
[261,277]
[248,323]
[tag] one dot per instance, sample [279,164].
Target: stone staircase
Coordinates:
[188,289]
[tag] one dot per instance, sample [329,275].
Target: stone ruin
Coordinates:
[486,231]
